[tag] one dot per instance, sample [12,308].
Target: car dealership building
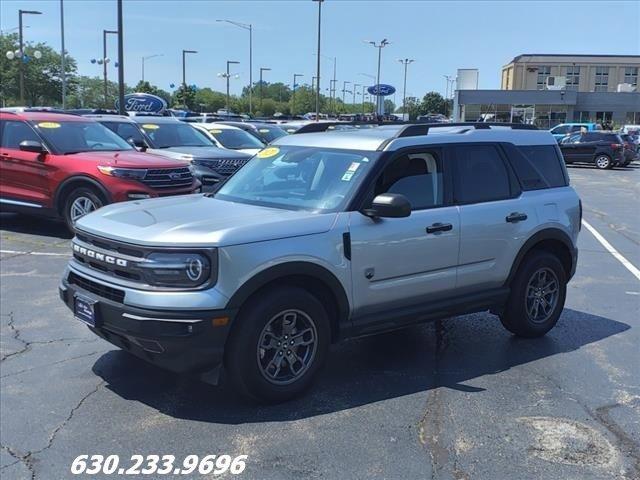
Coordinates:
[547,90]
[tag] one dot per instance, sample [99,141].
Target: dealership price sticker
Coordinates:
[268,152]
[49,125]
[158,465]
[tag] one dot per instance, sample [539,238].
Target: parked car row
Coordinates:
[602,148]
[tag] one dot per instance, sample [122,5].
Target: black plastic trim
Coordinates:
[80,179]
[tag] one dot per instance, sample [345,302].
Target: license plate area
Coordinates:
[84,309]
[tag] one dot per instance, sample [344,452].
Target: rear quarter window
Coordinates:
[539,166]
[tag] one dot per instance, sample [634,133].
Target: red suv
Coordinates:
[67,166]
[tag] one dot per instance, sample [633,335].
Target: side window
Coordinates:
[15,132]
[417,176]
[544,161]
[480,174]
[127,130]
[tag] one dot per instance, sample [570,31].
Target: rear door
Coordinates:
[585,148]
[494,222]
[401,261]
[23,175]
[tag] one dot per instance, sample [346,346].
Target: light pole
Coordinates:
[184,70]
[379,46]
[105,60]
[332,95]
[227,76]
[344,89]
[262,69]
[318,61]
[293,99]
[355,86]
[363,112]
[406,63]
[147,58]
[446,94]
[120,60]
[20,13]
[63,73]
[249,27]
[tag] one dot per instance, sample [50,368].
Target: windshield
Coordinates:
[75,137]
[299,178]
[269,134]
[235,139]
[178,134]
[125,130]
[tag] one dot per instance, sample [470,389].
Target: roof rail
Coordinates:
[415,130]
[324,126]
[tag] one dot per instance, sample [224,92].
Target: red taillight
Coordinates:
[616,146]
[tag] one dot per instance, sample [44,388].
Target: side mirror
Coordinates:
[388,205]
[31,146]
[137,143]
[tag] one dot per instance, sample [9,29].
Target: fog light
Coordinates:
[138,196]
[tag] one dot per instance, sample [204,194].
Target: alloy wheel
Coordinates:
[80,207]
[287,347]
[542,295]
[602,161]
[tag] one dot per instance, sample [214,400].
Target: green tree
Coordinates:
[42,76]
[388,106]
[433,102]
[185,96]
[268,107]
[88,92]
[414,108]
[146,87]
[210,100]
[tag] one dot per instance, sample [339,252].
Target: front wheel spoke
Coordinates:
[275,362]
[299,338]
[269,341]
[293,359]
[289,321]
[536,308]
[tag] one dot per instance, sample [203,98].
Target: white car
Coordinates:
[231,138]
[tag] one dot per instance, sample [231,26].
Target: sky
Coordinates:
[440,36]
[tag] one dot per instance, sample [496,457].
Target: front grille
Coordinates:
[103,291]
[163,178]
[227,167]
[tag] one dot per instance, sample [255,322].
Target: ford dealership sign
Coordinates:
[143,102]
[381,90]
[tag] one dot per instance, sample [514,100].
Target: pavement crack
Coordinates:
[20,458]
[628,445]
[19,372]
[16,336]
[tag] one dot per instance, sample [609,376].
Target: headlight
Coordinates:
[176,269]
[132,173]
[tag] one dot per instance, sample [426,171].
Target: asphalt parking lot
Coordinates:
[455,399]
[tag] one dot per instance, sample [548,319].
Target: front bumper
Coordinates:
[182,341]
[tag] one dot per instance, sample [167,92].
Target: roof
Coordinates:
[565,55]
[154,119]
[216,126]
[388,137]
[44,116]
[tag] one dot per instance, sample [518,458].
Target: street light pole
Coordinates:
[120,60]
[379,46]
[147,58]
[446,95]
[344,89]
[229,62]
[355,86]
[62,57]
[184,70]
[104,61]
[293,99]
[249,27]
[406,63]
[318,61]
[363,112]
[21,59]
[262,69]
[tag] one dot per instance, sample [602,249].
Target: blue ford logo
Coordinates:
[174,176]
[382,90]
[143,102]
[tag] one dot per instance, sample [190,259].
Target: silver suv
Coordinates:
[325,236]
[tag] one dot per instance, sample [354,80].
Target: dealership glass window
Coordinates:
[602,79]
[604,117]
[633,118]
[548,116]
[543,74]
[631,75]
[580,116]
[573,77]
[471,113]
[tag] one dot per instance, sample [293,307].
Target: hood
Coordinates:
[197,220]
[130,159]
[198,153]
[249,151]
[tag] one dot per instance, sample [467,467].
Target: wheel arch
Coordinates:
[316,279]
[552,240]
[74,182]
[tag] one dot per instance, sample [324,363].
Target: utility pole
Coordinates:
[355,86]
[318,61]
[379,46]
[184,70]
[406,63]
[120,60]
[21,58]
[228,75]
[344,89]
[363,112]
[262,69]
[63,54]
[249,27]
[293,99]
[105,61]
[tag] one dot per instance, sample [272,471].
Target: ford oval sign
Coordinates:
[143,102]
[381,90]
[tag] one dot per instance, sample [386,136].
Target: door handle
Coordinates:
[439,227]
[516,217]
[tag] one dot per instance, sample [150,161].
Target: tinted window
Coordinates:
[542,164]
[15,132]
[125,130]
[480,175]
[417,176]
[601,137]
[75,137]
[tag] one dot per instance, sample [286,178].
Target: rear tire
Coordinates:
[261,359]
[78,203]
[537,297]
[603,162]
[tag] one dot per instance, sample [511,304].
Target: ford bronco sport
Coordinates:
[324,236]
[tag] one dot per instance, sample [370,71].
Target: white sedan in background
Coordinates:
[231,138]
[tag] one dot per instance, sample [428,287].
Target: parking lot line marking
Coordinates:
[609,248]
[50,254]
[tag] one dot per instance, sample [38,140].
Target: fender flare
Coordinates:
[80,179]
[542,235]
[288,269]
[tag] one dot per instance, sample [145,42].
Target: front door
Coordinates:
[398,262]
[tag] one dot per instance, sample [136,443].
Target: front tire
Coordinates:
[603,162]
[278,344]
[537,297]
[78,203]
